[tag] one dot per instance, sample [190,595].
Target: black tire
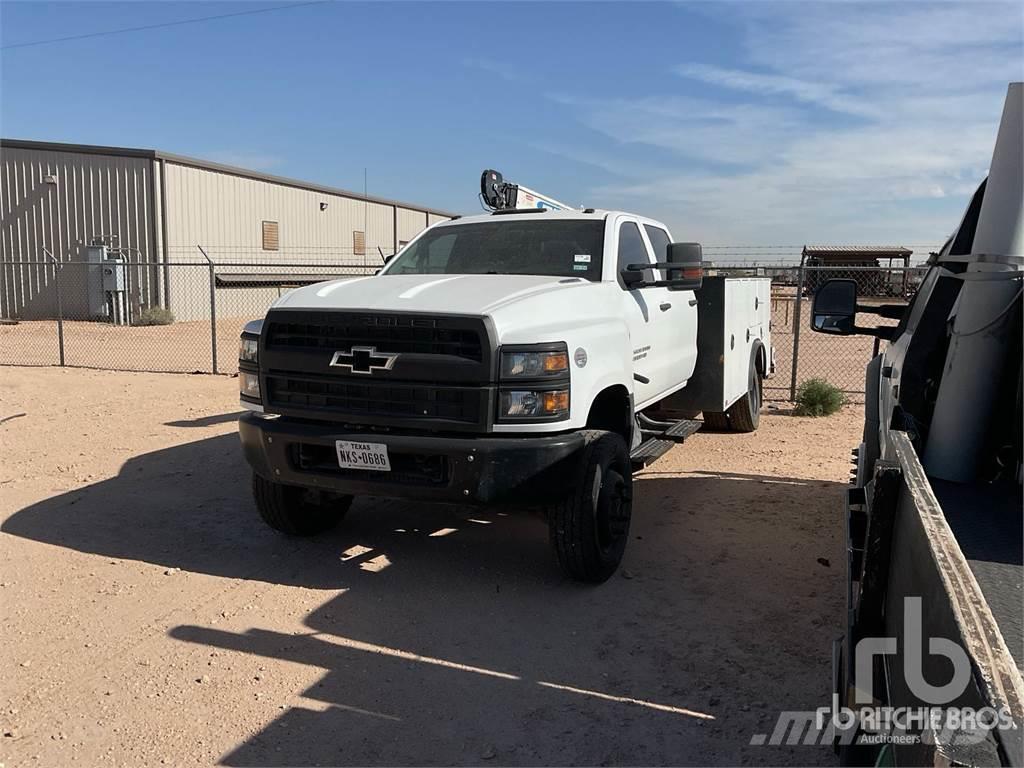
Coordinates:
[745,413]
[298,511]
[717,422]
[589,528]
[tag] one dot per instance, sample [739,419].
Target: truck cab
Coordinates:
[501,358]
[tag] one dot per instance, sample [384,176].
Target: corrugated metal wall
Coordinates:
[90,196]
[98,195]
[410,223]
[224,213]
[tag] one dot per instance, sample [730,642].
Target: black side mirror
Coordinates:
[835,308]
[632,278]
[684,270]
[686,266]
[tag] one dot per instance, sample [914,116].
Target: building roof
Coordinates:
[156,154]
[857,251]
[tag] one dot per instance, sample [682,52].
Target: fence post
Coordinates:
[213,308]
[60,305]
[796,331]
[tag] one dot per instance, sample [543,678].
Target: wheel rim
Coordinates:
[611,511]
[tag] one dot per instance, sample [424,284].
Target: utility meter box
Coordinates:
[114,275]
[95,256]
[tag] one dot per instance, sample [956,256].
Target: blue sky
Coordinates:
[736,123]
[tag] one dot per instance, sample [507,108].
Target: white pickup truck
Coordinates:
[502,358]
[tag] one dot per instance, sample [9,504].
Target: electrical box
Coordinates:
[114,277]
[95,255]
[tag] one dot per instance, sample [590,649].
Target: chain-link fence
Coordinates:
[185,315]
[802,354]
[176,316]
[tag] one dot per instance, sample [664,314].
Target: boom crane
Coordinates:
[500,195]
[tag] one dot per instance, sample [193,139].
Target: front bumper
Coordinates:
[482,470]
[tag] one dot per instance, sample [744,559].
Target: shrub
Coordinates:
[154,316]
[816,397]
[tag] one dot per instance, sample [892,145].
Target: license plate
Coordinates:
[372,456]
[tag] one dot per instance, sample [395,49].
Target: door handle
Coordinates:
[693,302]
[665,306]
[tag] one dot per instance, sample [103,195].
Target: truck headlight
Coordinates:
[249,350]
[249,385]
[541,364]
[527,403]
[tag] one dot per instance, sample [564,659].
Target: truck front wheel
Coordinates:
[298,511]
[590,527]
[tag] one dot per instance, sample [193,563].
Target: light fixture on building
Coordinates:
[323,206]
[50,178]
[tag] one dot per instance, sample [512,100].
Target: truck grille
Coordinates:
[440,377]
[396,333]
[344,397]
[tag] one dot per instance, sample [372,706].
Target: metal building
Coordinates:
[156,209]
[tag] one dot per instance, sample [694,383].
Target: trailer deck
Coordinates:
[987,523]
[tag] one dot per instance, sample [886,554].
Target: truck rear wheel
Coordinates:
[589,528]
[745,413]
[298,511]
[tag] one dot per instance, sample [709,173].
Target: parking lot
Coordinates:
[150,616]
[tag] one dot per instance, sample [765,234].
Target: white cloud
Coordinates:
[805,91]
[864,122]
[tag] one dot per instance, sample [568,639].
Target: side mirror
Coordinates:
[835,308]
[684,270]
[632,278]
[686,266]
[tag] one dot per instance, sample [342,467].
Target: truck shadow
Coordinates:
[455,639]
[190,507]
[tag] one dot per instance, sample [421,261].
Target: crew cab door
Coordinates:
[646,313]
[677,329]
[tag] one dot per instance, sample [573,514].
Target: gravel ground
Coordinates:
[150,618]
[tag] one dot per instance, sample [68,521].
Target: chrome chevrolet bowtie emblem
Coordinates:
[363,360]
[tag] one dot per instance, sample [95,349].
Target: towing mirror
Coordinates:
[835,308]
[634,278]
[684,270]
[686,266]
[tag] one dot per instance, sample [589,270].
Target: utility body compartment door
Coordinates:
[747,312]
[733,316]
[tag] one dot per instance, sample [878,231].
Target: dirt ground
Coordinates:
[149,617]
[187,347]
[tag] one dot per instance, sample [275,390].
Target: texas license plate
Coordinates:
[372,456]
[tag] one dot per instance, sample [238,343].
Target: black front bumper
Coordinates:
[482,470]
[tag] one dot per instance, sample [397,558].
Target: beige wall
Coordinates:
[410,223]
[224,214]
[99,194]
[94,196]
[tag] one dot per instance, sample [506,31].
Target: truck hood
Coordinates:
[447,294]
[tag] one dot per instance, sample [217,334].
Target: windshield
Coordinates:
[559,248]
